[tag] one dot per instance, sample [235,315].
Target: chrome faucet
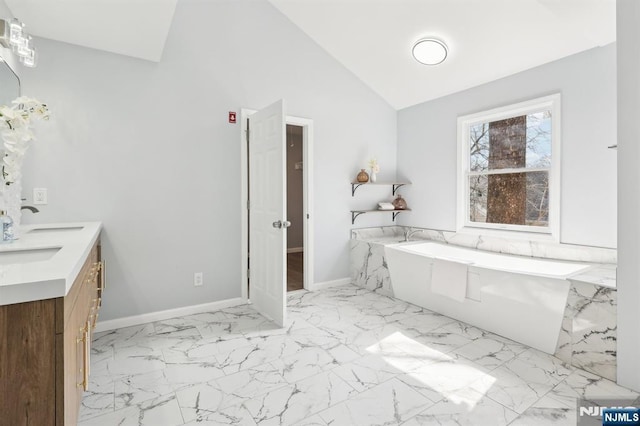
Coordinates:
[33,209]
[408,233]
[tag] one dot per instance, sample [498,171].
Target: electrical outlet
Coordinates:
[39,196]
[198,279]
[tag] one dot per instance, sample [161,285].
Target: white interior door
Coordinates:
[267,212]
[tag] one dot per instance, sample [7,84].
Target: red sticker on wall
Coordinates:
[232,117]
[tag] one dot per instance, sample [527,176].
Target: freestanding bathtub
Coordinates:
[516,297]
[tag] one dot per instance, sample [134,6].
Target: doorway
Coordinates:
[295,208]
[302,131]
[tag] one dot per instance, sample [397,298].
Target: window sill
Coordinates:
[509,234]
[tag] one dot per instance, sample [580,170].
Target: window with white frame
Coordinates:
[509,167]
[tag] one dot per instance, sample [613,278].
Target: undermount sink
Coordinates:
[27,256]
[59,229]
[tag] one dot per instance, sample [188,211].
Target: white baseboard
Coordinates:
[327,284]
[295,250]
[170,313]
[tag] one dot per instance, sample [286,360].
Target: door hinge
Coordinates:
[247,135]
[307,215]
[248,204]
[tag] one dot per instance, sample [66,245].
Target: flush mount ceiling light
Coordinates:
[13,36]
[430,51]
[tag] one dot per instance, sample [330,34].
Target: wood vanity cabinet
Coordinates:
[45,350]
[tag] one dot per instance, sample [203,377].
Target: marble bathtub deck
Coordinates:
[347,357]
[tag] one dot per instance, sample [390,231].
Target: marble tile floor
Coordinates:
[347,357]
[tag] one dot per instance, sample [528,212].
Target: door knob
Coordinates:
[281,224]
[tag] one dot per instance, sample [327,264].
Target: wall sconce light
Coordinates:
[13,36]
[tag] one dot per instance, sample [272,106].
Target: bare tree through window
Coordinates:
[509,164]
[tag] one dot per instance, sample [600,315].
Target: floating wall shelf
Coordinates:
[394,213]
[394,186]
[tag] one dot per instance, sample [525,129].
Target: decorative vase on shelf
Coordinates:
[399,203]
[363,177]
[373,176]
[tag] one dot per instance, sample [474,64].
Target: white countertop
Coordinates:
[27,280]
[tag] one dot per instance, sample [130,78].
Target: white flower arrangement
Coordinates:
[15,129]
[373,165]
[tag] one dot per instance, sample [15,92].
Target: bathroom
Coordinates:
[140,139]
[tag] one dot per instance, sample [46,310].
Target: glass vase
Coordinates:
[13,204]
[11,199]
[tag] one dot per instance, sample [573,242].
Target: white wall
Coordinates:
[146,147]
[628,36]
[427,142]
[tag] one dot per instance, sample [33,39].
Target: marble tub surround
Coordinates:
[588,339]
[368,266]
[603,275]
[519,247]
[372,276]
[382,234]
[348,356]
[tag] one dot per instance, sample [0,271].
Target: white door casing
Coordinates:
[307,172]
[267,195]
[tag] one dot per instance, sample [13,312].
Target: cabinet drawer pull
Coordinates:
[103,274]
[86,349]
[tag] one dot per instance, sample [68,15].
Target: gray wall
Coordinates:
[295,233]
[146,148]
[427,142]
[628,36]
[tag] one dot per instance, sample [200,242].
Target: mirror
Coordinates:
[9,84]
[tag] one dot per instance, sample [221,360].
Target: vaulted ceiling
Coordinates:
[136,28]
[487,39]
